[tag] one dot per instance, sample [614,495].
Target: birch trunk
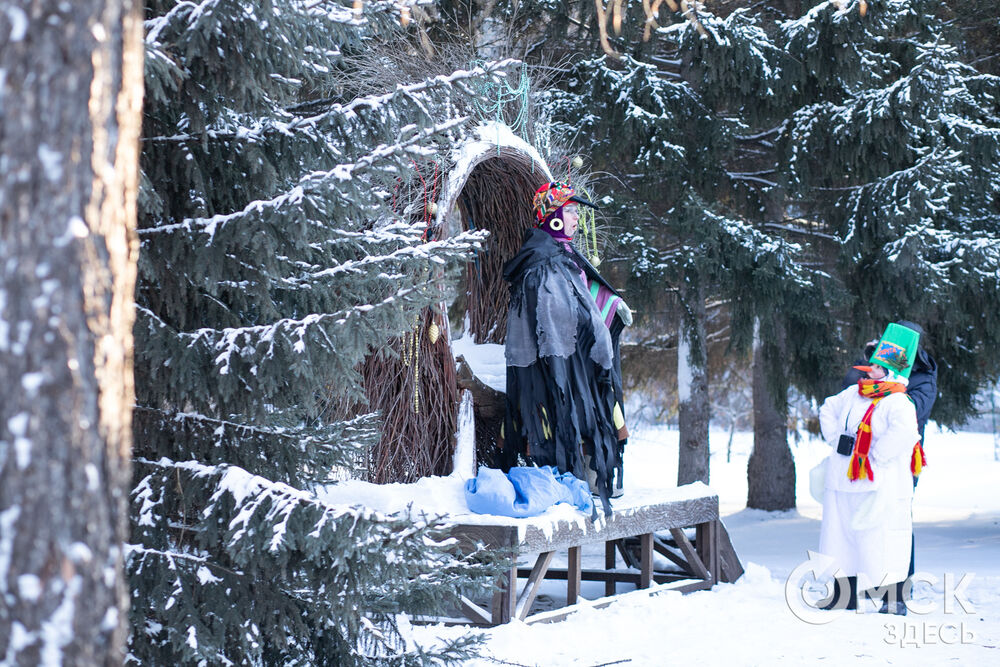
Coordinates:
[71,98]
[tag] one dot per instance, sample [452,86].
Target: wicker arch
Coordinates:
[495,195]
[417,389]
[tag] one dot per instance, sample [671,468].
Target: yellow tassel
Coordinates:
[917,460]
[546,431]
[618,417]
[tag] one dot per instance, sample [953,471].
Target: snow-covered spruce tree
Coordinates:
[900,158]
[689,136]
[271,264]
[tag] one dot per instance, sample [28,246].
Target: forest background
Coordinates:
[777,181]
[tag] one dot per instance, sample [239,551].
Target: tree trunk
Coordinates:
[692,389]
[771,470]
[71,95]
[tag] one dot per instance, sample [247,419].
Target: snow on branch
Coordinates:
[468,240]
[193,11]
[259,499]
[138,552]
[301,436]
[310,183]
[350,110]
[939,251]
[259,341]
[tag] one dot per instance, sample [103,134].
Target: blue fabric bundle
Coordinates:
[525,491]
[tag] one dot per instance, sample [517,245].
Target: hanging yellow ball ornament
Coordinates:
[433,332]
[432,208]
[577,162]
[595,260]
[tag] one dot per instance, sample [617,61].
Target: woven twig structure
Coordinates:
[496,197]
[416,392]
[415,389]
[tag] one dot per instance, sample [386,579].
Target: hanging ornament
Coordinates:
[588,232]
[415,358]
[357,9]
[432,208]
[433,332]
[577,162]
[498,100]
[863,8]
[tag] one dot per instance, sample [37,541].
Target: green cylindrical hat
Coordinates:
[897,350]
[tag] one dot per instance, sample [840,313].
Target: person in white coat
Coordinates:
[868,487]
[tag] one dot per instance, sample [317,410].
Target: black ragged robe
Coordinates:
[563,377]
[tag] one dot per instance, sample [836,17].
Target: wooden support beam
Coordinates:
[617,576]
[503,598]
[530,591]
[646,560]
[706,543]
[609,564]
[730,568]
[474,612]
[627,557]
[556,615]
[573,575]
[692,556]
[661,547]
[691,587]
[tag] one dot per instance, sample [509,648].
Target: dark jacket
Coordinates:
[563,376]
[922,388]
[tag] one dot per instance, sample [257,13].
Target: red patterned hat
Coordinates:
[552,196]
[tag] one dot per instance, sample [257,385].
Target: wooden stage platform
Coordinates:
[681,524]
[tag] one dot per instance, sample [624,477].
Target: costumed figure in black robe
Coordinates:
[564,395]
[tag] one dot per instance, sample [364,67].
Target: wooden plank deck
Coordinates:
[630,532]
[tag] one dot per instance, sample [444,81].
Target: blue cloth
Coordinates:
[525,491]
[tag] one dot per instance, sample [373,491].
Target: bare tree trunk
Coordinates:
[692,387]
[71,99]
[771,470]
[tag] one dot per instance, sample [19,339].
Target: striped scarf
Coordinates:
[859,465]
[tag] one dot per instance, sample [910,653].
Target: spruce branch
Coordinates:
[314,182]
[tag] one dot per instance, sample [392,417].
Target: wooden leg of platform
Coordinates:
[707,544]
[474,612]
[692,555]
[646,560]
[573,575]
[609,564]
[505,598]
[527,597]
[730,568]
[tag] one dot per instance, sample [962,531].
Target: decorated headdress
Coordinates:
[550,197]
[897,349]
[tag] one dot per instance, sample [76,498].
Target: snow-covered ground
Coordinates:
[957,529]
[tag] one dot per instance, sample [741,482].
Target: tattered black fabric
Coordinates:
[561,366]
